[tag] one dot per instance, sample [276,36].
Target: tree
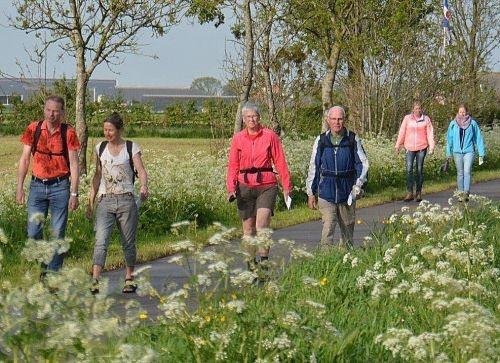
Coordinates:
[208,85]
[323,26]
[477,34]
[248,66]
[93,32]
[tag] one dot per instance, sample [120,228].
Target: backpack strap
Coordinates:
[64,137]
[102,146]
[130,160]
[36,137]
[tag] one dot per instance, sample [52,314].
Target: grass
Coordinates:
[158,245]
[359,313]
[10,151]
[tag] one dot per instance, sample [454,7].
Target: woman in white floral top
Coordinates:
[117,163]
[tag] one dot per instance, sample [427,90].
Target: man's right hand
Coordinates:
[311,202]
[20,197]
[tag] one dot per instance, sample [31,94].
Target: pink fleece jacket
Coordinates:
[416,134]
[260,151]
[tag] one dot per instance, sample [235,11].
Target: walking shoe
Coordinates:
[418,197]
[466,196]
[408,197]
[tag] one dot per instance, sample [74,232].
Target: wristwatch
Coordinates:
[74,194]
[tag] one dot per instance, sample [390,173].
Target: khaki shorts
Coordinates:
[249,200]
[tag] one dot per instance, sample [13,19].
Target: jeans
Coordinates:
[122,210]
[463,163]
[419,172]
[344,215]
[43,198]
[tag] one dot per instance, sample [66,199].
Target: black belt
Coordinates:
[341,174]
[254,170]
[50,181]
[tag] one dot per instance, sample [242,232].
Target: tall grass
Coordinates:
[423,289]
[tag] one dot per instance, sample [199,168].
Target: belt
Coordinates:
[254,170]
[50,181]
[127,194]
[340,174]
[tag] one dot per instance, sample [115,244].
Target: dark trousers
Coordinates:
[415,174]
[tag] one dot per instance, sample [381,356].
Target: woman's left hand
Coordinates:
[144,193]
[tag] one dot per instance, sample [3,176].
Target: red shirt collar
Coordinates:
[45,126]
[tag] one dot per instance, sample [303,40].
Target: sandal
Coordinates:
[94,289]
[129,287]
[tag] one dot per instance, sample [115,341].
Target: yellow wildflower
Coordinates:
[323,281]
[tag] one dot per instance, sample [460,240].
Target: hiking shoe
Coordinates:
[418,197]
[466,196]
[408,197]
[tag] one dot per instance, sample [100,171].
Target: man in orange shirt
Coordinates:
[55,173]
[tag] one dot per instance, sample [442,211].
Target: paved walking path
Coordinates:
[305,234]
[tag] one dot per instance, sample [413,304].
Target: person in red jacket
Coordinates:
[251,179]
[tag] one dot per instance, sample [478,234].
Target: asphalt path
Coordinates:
[307,235]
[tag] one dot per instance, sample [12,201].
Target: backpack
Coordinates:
[64,136]
[128,145]
[324,144]
[351,137]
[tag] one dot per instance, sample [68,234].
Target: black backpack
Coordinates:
[64,136]
[128,144]
[324,144]
[351,136]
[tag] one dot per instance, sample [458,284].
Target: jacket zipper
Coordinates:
[335,179]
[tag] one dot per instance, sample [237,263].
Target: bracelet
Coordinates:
[74,194]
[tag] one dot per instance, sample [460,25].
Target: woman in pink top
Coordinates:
[416,135]
[251,179]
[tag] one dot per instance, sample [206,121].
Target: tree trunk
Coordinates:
[266,53]
[473,63]
[82,79]
[248,66]
[328,82]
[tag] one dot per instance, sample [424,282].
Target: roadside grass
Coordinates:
[154,238]
[424,289]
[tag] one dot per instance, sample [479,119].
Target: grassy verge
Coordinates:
[425,291]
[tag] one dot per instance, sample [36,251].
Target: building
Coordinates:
[157,97]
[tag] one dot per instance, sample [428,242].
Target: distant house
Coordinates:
[24,88]
[157,97]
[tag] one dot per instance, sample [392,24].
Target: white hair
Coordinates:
[249,106]
[340,108]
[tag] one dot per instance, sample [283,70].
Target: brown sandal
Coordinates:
[129,287]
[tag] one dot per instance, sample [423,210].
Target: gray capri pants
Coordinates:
[122,210]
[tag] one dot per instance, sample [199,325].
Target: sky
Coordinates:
[186,52]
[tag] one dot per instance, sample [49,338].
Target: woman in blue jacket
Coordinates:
[463,139]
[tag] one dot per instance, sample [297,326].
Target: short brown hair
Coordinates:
[116,120]
[464,106]
[57,99]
